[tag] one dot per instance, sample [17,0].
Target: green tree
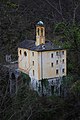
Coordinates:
[75,89]
[69,38]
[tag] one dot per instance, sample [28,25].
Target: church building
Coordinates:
[41,59]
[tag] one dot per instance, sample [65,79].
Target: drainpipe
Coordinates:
[42,73]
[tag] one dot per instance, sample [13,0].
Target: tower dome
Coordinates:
[40,23]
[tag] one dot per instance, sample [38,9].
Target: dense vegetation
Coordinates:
[62,21]
[27,105]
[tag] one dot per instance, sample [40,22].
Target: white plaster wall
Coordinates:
[47,70]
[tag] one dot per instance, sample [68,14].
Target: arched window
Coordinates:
[25,54]
[41,31]
[20,52]
[38,31]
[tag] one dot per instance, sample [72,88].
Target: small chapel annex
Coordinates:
[41,59]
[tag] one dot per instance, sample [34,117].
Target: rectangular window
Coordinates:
[62,52]
[33,72]
[57,72]
[63,61]
[33,63]
[51,64]
[56,61]
[57,53]
[51,55]
[32,53]
[63,70]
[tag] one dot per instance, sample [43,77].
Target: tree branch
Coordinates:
[74,13]
[59,12]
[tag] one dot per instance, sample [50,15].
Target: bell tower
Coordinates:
[40,33]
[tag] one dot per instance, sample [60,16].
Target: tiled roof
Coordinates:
[30,44]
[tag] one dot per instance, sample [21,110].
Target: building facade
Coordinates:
[41,59]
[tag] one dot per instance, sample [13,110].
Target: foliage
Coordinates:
[45,83]
[67,81]
[26,104]
[25,78]
[75,89]
[70,33]
[69,38]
